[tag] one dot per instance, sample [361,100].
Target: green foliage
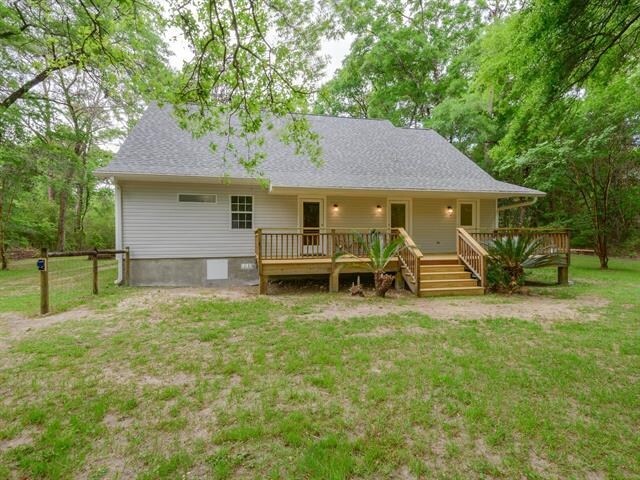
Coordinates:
[380,251]
[544,94]
[509,255]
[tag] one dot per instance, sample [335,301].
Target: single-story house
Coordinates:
[191,218]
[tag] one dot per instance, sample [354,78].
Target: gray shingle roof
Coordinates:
[356,154]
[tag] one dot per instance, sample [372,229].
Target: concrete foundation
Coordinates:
[191,272]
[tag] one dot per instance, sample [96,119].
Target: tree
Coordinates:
[571,41]
[595,152]
[119,41]
[17,174]
[399,66]
[250,57]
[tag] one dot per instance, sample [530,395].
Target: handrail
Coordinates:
[410,258]
[472,254]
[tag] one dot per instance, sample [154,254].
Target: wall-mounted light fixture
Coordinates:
[335,207]
[449,210]
[379,208]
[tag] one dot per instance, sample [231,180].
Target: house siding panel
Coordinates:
[156,225]
[356,212]
[488,213]
[433,230]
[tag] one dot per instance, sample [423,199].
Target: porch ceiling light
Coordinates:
[449,210]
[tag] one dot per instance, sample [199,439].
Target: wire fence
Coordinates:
[68,279]
[71,280]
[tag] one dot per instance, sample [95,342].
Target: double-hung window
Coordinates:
[241,212]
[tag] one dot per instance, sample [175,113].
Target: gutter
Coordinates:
[118,232]
[524,203]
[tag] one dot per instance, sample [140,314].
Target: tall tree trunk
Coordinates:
[78,228]
[487,143]
[62,210]
[602,249]
[4,220]
[3,255]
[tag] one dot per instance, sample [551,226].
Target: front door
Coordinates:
[312,221]
[467,214]
[398,214]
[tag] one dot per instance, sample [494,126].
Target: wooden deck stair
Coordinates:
[445,275]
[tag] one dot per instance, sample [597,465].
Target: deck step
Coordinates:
[439,261]
[441,268]
[444,275]
[435,284]
[450,291]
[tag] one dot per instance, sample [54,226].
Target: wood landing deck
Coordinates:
[299,252]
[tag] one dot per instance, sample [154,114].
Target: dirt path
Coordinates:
[534,308]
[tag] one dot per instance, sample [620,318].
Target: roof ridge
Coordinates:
[386,120]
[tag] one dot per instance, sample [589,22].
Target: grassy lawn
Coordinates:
[70,284]
[163,386]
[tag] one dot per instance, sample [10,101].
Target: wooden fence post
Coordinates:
[44,283]
[127,267]
[95,271]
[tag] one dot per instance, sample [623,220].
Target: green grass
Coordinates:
[70,285]
[205,388]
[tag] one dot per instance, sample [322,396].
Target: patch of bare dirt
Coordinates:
[151,296]
[536,308]
[120,374]
[16,325]
[25,438]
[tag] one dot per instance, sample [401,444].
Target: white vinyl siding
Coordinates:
[433,229]
[356,212]
[488,213]
[155,225]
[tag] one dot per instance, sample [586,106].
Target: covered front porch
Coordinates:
[296,252]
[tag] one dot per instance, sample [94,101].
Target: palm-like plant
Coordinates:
[511,254]
[380,252]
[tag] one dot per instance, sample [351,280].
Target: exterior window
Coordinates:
[466,214]
[241,212]
[197,198]
[398,215]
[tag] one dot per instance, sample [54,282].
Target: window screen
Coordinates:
[197,198]
[398,215]
[466,214]
[241,212]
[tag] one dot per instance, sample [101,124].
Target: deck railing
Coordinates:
[297,243]
[472,254]
[552,241]
[284,244]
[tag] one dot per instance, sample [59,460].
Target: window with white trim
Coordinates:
[241,212]
[197,198]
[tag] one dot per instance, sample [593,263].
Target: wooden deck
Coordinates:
[294,253]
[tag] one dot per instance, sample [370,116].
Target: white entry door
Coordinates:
[468,214]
